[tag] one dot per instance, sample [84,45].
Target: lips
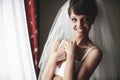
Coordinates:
[79,30]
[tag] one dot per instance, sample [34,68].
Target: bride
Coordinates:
[78,39]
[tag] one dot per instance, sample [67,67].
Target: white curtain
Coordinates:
[16,62]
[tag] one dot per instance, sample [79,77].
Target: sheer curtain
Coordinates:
[16,61]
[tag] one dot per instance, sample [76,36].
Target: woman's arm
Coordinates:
[48,73]
[69,67]
[55,56]
[89,64]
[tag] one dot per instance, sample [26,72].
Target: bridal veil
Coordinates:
[100,34]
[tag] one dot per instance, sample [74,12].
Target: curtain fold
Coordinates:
[32,26]
[16,62]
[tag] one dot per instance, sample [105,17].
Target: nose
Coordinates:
[80,24]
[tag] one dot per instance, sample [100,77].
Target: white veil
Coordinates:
[100,34]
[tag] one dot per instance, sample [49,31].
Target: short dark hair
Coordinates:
[83,7]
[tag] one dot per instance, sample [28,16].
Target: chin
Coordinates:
[80,34]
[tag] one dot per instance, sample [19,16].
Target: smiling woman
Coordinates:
[77,42]
[77,48]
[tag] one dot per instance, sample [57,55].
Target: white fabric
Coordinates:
[16,61]
[100,34]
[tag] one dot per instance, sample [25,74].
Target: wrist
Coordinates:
[70,58]
[52,60]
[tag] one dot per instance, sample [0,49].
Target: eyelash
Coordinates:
[83,20]
[74,19]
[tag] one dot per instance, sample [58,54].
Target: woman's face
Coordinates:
[81,24]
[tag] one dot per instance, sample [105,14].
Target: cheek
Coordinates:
[73,25]
[87,26]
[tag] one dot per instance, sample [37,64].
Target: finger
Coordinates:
[61,58]
[61,53]
[66,50]
[62,50]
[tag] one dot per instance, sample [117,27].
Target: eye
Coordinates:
[74,19]
[85,19]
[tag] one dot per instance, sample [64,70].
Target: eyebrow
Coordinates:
[73,16]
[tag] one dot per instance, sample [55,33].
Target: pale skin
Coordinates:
[67,52]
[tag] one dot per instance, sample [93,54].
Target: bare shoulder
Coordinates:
[90,63]
[55,45]
[96,53]
[94,57]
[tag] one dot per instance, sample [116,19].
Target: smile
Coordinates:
[79,30]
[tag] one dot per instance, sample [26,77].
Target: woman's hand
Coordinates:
[60,55]
[70,48]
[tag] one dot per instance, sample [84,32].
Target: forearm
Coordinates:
[48,73]
[69,69]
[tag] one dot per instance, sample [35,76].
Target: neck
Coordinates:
[82,41]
